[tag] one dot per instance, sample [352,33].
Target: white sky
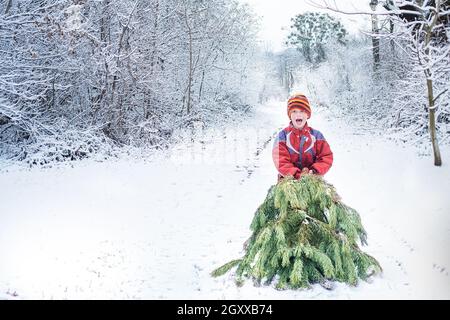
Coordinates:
[276,15]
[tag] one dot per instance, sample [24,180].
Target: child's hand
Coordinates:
[307,171]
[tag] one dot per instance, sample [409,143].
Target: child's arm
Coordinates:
[324,158]
[282,158]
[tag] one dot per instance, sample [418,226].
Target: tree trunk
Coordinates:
[392,42]
[375,43]
[201,87]
[191,65]
[431,99]
[432,116]
[8,6]
[105,26]
[154,40]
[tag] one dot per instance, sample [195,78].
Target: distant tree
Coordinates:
[311,31]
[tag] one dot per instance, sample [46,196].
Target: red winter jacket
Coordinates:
[296,149]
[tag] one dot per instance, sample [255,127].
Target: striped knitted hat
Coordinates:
[298,101]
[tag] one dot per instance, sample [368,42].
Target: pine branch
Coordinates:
[225,268]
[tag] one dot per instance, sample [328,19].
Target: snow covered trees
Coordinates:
[123,72]
[311,31]
[407,94]
[423,31]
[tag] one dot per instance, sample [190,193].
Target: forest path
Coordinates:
[155,229]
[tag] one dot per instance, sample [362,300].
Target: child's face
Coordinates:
[299,118]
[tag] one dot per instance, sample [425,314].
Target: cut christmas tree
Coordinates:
[303,234]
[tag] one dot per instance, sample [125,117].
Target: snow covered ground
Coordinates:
[155,228]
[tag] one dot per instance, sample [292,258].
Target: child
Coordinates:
[300,149]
